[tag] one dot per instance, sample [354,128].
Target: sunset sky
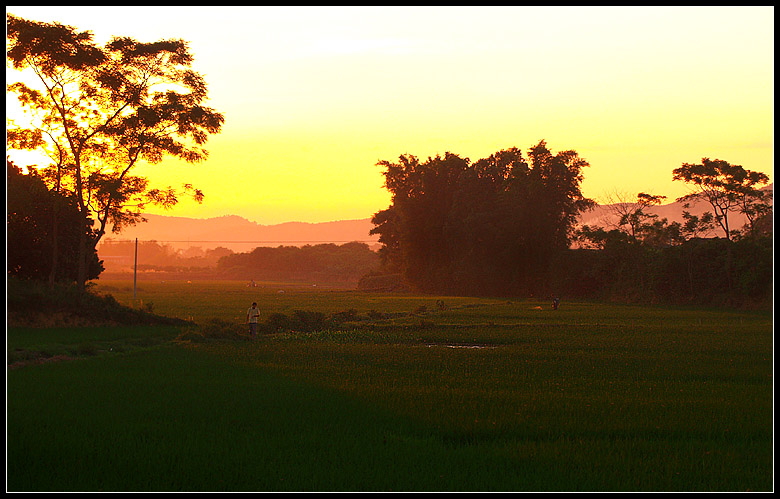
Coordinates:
[313,97]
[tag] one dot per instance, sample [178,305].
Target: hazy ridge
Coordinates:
[603,215]
[241,235]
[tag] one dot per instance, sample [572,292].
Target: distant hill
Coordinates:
[603,215]
[241,235]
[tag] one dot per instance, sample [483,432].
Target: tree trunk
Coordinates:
[729,267]
[81,280]
[55,242]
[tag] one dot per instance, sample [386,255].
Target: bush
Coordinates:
[345,316]
[710,272]
[277,322]
[35,302]
[305,320]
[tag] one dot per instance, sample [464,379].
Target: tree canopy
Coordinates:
[485,227]
[323,263]
[100,110]
[29,229]
[727,188]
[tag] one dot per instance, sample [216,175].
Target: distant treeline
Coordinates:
[711,272]
[345,263]
[505,226]
[118,255]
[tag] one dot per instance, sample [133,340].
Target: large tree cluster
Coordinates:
[486,227]
[644,258]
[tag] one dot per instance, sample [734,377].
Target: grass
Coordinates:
[194,432]
[481,395]
[25,344]
[229,300]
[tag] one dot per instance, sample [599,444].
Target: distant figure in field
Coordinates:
[556,302]
[252,316]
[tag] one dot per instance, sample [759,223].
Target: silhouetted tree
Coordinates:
[488,227]
[632,216]
[695,226]
[646,259]
[18,138]
[726,187]
[30,230]
[756,205]
[320,262]
[386,227]
[107,109]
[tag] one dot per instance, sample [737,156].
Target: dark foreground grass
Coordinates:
[487,398]
[586,408]
[170,419]
[31,344]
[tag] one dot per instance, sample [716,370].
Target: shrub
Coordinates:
[345,316]
[305,320]
[277,322]
[302,320]
[31,301]
[375,316]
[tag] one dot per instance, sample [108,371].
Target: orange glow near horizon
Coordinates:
[313,97]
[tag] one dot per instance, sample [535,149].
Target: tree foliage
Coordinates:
[100,111]
[29,229]
[490,226]
[329,263]
[727,188]
[643,259]
[632,224]
[504,225]
[699,271]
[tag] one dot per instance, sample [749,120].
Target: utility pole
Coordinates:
[135,268]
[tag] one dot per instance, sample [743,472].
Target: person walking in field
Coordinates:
[252,316]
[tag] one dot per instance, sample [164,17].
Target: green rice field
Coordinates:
[410,393]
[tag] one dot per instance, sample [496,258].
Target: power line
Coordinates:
[238,242]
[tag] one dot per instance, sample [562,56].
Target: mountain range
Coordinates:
[604,215]
[241,235]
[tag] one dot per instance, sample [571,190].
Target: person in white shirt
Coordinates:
[252,316]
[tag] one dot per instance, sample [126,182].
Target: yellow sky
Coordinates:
[313,97]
